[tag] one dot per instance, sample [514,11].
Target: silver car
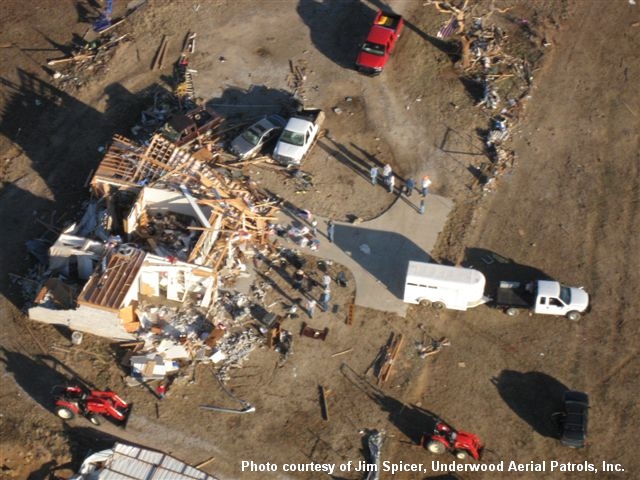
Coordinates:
[250,142]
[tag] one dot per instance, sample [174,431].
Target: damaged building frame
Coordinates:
[166,230]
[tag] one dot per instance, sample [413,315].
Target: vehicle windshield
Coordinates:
[565,295]
[293,138]
[373,48]
[251,136]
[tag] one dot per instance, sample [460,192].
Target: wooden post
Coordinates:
[350,314]
[324,407]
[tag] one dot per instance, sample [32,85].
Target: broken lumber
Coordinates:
[76,58]
[159,57]
[112,26]
[349,350]
[206,462]
[246,409]
[324,407]
[390,358]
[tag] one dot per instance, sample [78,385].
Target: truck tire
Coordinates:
[462,454]
[573,315]
[65,413]
[438,305]
[512,312]
[424,302]
[436,447]
[95,419]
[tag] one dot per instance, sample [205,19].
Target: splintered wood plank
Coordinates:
[216,266]
[394,351]
[210,183]
[324,405]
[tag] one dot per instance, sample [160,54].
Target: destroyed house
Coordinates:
[125,278]
[216,215]
[169,228]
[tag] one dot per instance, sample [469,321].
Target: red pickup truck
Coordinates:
[380,42]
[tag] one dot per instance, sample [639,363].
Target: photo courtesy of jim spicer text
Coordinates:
[543,467]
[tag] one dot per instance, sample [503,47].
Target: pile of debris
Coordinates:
[87,59]
[164,105]
[501,158]
[167,234]
[484,50]
[235,350]
[159,249]
[497,67]
[171,338]
[181,99]
[296,78]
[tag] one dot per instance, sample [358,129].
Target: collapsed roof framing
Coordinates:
[240,214]
[107,290]
[127,165]
[130,272]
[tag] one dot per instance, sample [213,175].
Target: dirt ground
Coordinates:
[569,210]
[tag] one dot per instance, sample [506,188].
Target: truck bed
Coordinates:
[388,20]
[313,115]
[513,294]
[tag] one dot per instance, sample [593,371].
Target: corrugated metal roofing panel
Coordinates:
[173,464]
[164,474]
[133,463]
[152,457]
[130,466]
[110,475]
[127,450]
[194,472]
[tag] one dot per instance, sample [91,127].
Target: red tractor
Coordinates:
[445,439]
[74,400]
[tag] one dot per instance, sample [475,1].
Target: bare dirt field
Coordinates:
[569,209]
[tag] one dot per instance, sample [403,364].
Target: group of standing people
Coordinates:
[389,181]
[325,296]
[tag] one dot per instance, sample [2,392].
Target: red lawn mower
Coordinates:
[445,439]
[74,400]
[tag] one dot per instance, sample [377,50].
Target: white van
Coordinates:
[441,286]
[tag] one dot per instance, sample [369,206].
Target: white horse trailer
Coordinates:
[442,286]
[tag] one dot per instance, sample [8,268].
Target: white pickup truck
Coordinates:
[546,297]
[298,137]
[458,288]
